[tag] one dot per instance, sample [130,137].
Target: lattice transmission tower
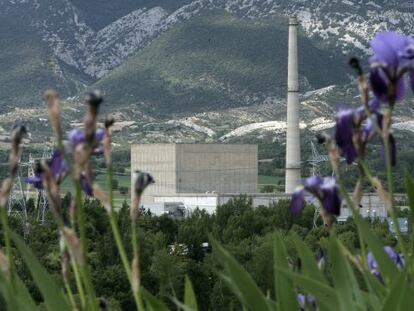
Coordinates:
[17,200]
[315,162]
[17,204]
[41,200]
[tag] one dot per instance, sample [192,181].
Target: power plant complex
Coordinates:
[205,176]
[196,168]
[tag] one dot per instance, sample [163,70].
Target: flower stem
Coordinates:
[117,236]
[5,225]
[114,224]
[351,204]
[70,294]
[84,269]
[386,140]
[135,251]
[79,283]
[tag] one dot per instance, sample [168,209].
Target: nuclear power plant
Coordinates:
[205,176]
[292,177]
[188,169]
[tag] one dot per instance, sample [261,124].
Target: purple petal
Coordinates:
[331,200]
[86,186]
[367,130]
[400,89]
[391,253]
[344,133]
[411,74]
[313,185]
[387,47]
[36,181]
[76,136]
[393,148]
[298,201]
[379,84]
[302,300]
[374,104]
[408,52]
[99,135]
[372,264]
[58,166]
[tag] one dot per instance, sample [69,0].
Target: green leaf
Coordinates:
[51,292]
[308,261]
[152,303]
[343,277]
[17,296]
[239,281]
[388,269]
[407,301]
[189,295]
[409,185]
[285,294]
[325,295]
[396,293]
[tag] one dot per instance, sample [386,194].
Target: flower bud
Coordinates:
[5,192]
[141,181]
[94,98]
[109,121]
[53,109]
[354,63]
[322,138]
[17,134]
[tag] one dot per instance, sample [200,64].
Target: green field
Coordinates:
[270,181]
[123,181]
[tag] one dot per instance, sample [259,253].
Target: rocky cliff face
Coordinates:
[341,24]
[72,45]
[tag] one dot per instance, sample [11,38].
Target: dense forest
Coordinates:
[172,249]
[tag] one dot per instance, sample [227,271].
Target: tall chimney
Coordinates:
[293,179]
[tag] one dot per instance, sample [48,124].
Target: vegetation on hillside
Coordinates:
[216,61]
[172,249]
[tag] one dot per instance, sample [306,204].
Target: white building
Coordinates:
[196,169]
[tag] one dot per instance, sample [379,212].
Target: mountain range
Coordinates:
[182,70]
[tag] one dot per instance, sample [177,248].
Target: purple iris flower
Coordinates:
[349,122]
[324,189]
[396,258]
[307,302]
[77,136]
[393,52]
[58,169]
[301,300]
[345,122]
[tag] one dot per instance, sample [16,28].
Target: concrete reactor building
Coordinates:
[196,168]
